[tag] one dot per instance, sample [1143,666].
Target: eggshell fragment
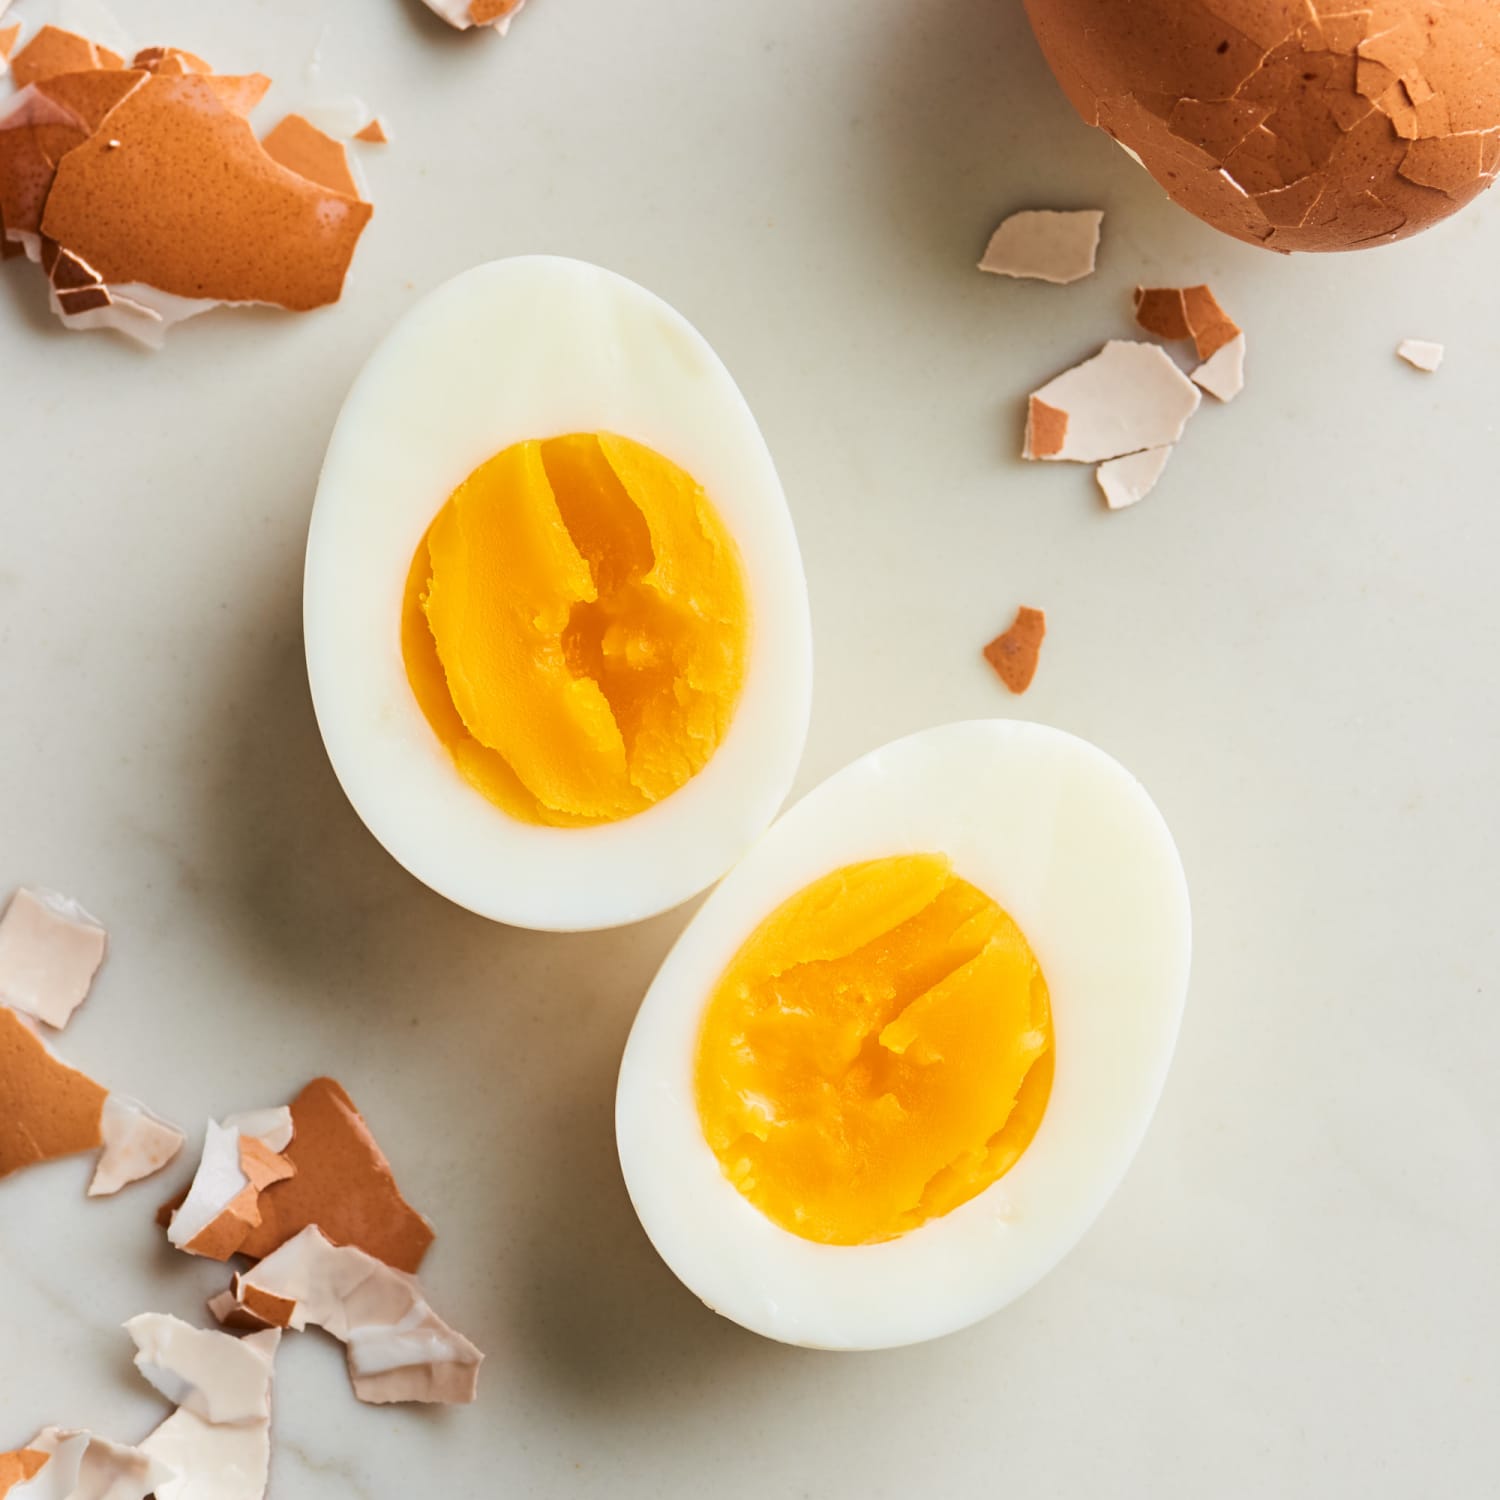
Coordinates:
[47,1109]
[1045,245]
[137,1144]
[271,1127]
[210,1463]
[1421,354]
[53,51]
[373,134]
[343,1184]
[1298,126]
[221,1379]
[1190,312]
[298,144]
[1222,375]
[1126,480]
[37,129]
[218,1441]
[18,1466]
[80,1466]
[222,1205]
[1128,397]
[466,13]
[397,1348]
[171,60]
[177,193]
[1015,651]
[50,950]
[8,35]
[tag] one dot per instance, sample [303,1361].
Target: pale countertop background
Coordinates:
[1293,643]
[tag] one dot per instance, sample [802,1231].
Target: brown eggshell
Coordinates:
[19,1466]
[344,1185]
[47,1109]
[53,51]
[1014,653]
[178,194]
[41,127]
[299,144]
[1295,124]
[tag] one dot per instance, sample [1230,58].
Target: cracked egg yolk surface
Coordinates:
[575,628]
[878,1052]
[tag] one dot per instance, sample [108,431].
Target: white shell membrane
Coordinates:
[536,347]
[1068,842]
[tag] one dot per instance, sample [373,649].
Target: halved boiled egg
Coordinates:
[556,621]
[901,1057]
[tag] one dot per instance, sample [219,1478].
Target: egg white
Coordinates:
[536,347]
[1068,842]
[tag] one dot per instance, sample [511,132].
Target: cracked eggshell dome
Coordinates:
[523,349]
[1294,124]
[1071,846]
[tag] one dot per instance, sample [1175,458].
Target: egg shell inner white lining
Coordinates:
[536,347]
[1067,841]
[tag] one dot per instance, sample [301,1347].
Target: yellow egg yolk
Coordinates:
[575,628]
[877,1052]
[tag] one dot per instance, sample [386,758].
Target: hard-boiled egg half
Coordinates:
[900,1058]
[556,621]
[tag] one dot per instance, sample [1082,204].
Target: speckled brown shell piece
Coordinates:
[47,1109]
[41,127]
[1294,124]
[343,1184]
[1014,653]
[299,144]
[53,51]
[177,193]
[19,1466]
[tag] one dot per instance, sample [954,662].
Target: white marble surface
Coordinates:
[1293,642]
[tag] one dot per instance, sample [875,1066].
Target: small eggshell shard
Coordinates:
[299,145]
[50,950]
[272,1127]
[210,1462]
[47,1109]
[1045,245]
[512,354]
[1313,127]
[222,1205]
[373,134]
[463,14]
[20,1464]
[171,60]
[137,1144]
[217,1444]
[1222,374]
[1014,653]
[1070,846]
[1189,312]
[53,51]
[223,1380]
[397,1348]
[80,1466]
[1126,480]
[1421,354]
[341,1182]
[1128,397]
[8,36]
